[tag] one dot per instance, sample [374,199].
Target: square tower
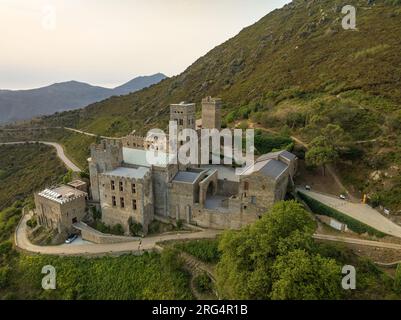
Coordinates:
[211,113]
[184,114]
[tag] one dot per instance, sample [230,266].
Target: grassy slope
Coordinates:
[123,278]
[295,67]
[25,169]
[76,146]
[291,51]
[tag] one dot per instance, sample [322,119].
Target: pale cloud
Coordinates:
[107,42]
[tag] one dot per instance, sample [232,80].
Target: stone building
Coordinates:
[184,114]
[211,113]
[59,208]
[128,188]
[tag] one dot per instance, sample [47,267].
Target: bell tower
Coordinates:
[211,113]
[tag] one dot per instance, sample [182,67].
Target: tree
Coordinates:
[321,156]
[334,136]
[67,177]
[97,214]
[248,256]
[300,275]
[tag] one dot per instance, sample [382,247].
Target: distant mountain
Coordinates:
[138,84]
[25,104]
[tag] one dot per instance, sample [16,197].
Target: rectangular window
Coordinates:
[113,186]
[134,204]
[253,200]
[181,123]
[121,186]
[122,203]
[133,188]
[113,200]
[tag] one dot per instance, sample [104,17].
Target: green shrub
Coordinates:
[180,224]
[32,223]
[117,230]
[265,143]
[204,250]
[397,280]
[203,283]
[135,228]
[4,276]
[355,225]
[6,248]
[97,214]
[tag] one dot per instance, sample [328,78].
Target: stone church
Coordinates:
[127,188]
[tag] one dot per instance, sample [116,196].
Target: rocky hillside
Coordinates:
[298,50]
[298,69]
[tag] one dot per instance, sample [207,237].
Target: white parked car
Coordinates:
[308,188]
[343,197]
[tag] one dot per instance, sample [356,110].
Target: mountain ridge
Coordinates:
[63,96]
[298,71]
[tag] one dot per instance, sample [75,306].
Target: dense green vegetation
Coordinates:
[76,146]
[203,283]
[25,169]
[124,278]
[354,225]
[30,167]
[265,143]
[295,68]
[276,258]
[205,250]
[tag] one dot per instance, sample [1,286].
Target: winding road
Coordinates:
[149,243]
[60,152]
[357,211]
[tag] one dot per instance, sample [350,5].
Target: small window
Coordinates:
[181,122]
[113,200]
[121,186]
[133,188]
[134,204]
[246,185]
[253,200]
[122,203]
[113,185]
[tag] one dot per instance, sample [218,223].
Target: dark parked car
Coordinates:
[71,238]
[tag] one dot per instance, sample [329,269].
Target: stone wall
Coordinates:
[92,235]
[227,188]
[217,220]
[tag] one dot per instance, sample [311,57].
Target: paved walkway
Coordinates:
[148,243]
[60,152]
[358,211]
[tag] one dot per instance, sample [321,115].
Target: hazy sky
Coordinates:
[108,42]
